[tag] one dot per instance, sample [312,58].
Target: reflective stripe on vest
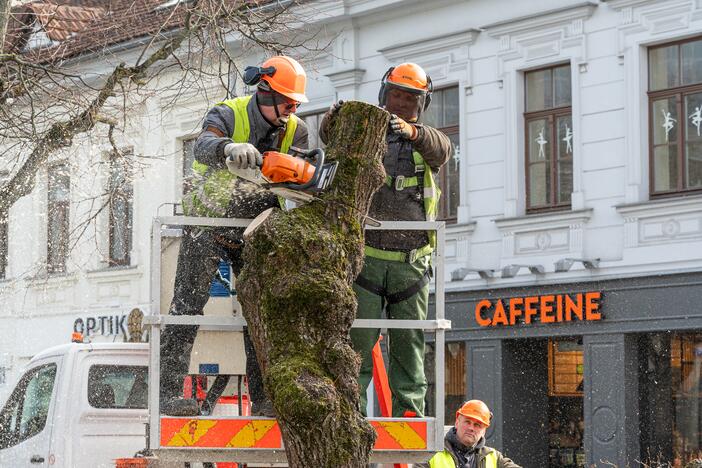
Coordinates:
[431,196]
[213,189]
[444,459]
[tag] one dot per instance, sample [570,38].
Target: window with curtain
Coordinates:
[675,117]
[443,115]
[549,138]
[121,211]
[312,121]
[188,158]
[57,221]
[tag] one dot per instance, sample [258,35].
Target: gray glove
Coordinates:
[242,156]
[402,128]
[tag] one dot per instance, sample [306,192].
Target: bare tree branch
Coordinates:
[45,104]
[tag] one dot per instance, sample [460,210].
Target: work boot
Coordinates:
[264,408]
[176,344]
[180,407]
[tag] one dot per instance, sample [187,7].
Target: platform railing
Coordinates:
[170,455]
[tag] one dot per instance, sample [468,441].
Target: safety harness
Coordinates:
[399,296]
[424,179]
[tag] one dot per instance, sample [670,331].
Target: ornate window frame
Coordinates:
[527,43]
[645,23]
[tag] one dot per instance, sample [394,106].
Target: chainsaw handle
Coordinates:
[319,162]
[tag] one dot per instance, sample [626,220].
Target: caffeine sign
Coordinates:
[554,308]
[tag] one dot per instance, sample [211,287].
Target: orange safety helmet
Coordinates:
[281,74]
[408,77]
[477,410]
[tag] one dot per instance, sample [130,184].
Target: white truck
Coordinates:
[83,405]
[77,405]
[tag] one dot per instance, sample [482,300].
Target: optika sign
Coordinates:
[106,325]
[555,308]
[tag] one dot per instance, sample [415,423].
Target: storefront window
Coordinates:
[670,403]
[565,389]
[454,379]
[686,375]
[455,384]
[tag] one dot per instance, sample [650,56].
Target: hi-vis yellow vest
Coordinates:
[431,196]
[444,459]
[212,192]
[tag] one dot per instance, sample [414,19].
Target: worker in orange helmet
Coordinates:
[397,266]
[464,444]
[234,135]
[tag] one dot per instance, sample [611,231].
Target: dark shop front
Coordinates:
[603,373]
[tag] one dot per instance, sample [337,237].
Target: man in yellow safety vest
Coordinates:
[234,135]
[464,444]
[397,265]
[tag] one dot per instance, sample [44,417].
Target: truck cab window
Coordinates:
[117,387]
[26,411]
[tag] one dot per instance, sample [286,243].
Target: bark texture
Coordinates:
[296,294]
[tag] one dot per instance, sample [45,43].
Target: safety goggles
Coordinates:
[277,99]
[290,105]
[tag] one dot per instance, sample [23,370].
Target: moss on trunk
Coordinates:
[296,294]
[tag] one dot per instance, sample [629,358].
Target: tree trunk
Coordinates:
[296,294]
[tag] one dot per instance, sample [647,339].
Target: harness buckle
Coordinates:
[399,183]
[412,255]
[419,168]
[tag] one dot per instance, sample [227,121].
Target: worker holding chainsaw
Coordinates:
[235,135]
[397,266]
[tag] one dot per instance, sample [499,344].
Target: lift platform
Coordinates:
[172,441]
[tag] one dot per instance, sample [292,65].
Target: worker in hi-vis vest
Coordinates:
[234,135]
[397,265]
[464,444]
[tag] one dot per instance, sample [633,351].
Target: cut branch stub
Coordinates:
[298,301]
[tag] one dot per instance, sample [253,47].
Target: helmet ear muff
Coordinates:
[427,96]
[383,93]
[253,75]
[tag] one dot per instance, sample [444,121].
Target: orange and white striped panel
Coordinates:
[220,433]
[265,433]
[400,435]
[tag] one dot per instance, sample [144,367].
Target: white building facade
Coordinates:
[578,169]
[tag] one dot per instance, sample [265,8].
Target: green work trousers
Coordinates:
[406,348]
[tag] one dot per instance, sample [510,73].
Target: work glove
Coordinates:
[325,124]
[335,107]
[242,156]
[402,128]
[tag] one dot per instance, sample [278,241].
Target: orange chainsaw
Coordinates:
[292,177]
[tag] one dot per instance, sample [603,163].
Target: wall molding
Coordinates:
[662,221]
[543,234]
